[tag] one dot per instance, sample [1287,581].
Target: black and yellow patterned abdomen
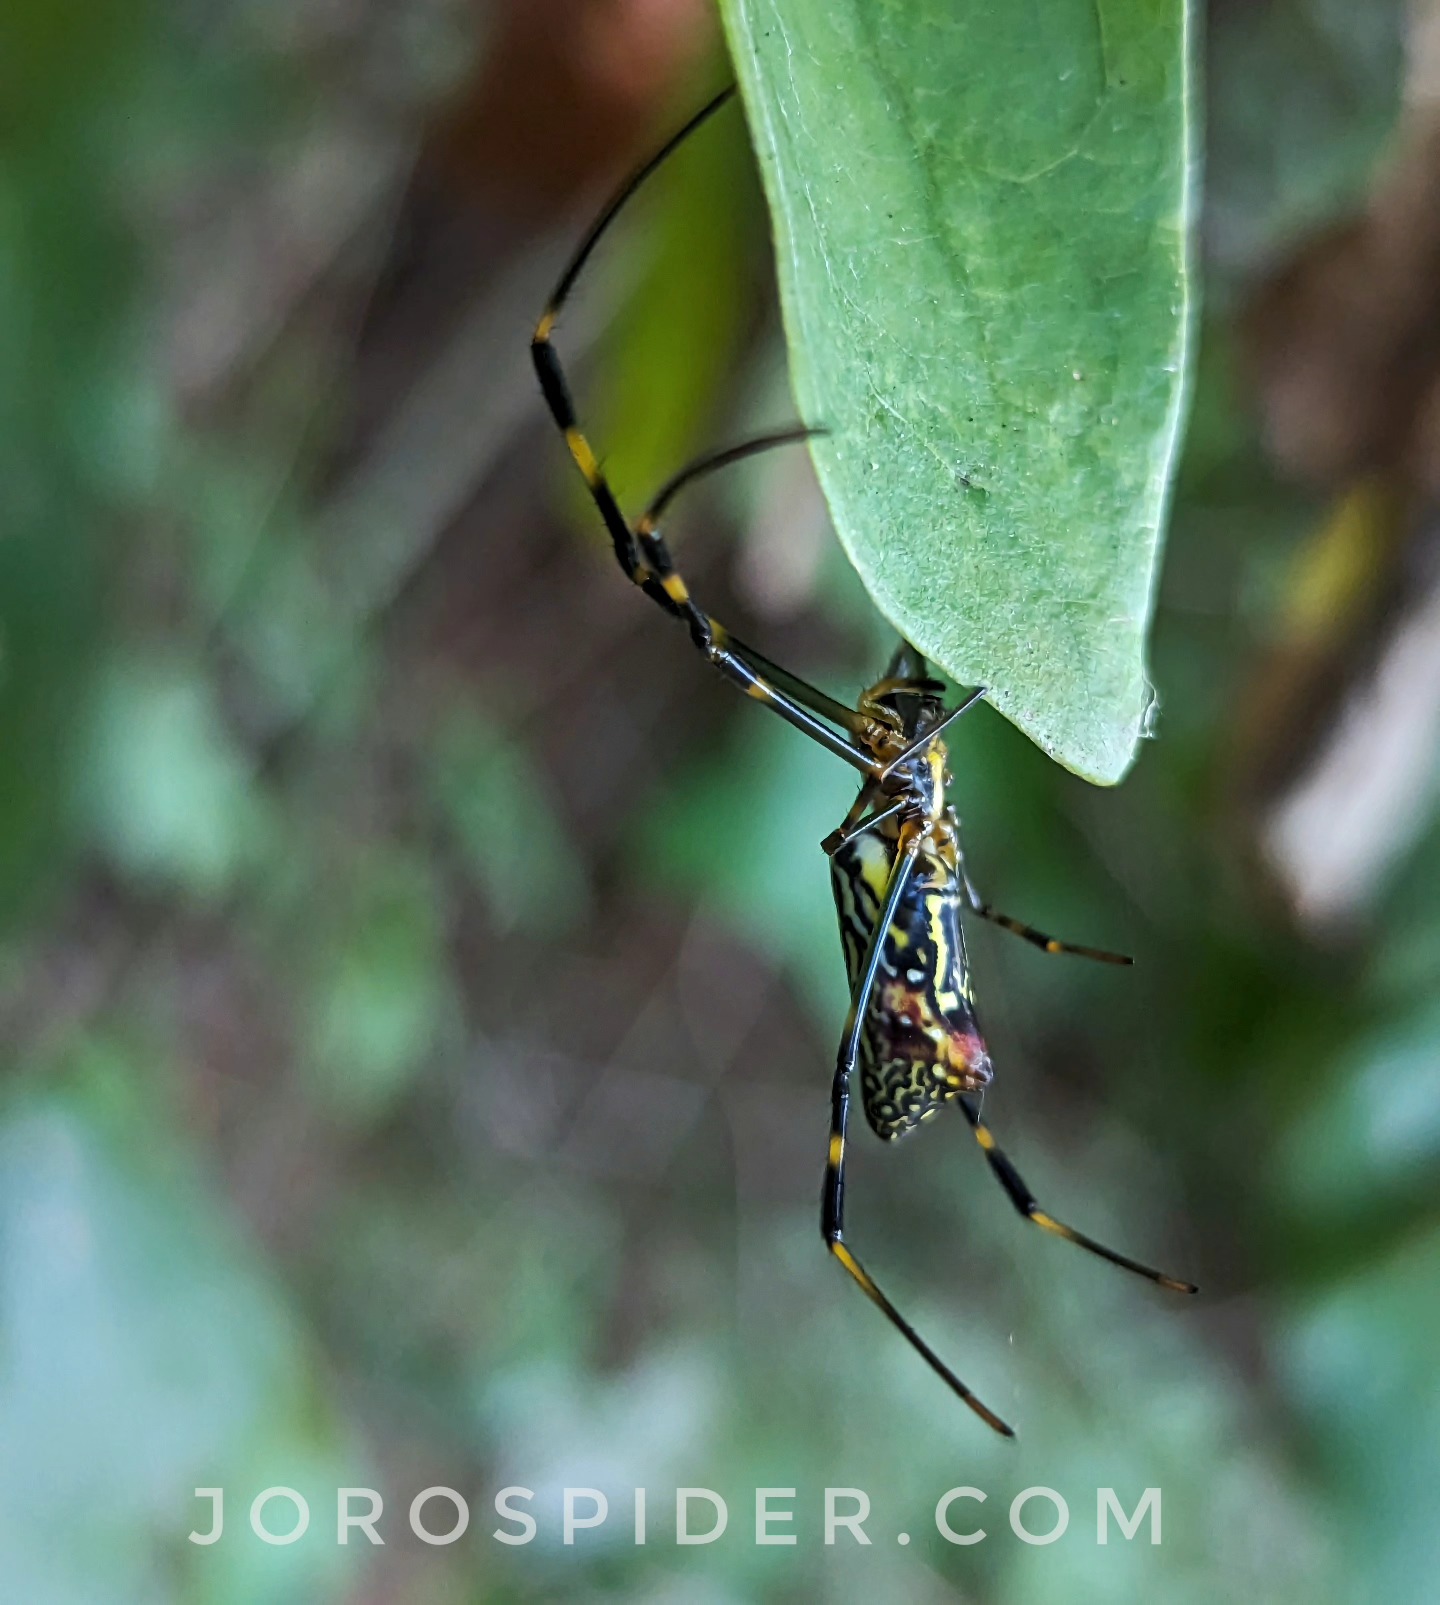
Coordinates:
[920,1044]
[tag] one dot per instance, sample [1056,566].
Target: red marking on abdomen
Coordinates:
[969,1059]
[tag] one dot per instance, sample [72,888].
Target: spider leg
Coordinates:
[857,821]
[832,1221]
[553,384]
[1028,933]
[640,551]
[817,701]
[1025,1203]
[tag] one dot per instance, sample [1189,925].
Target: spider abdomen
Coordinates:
[920,1043]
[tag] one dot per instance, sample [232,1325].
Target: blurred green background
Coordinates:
[419,976]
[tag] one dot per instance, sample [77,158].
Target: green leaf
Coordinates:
[981,215]
[735,827]
[379,996]
[147,1353]
[499,809]
[1305,96]
[166,791]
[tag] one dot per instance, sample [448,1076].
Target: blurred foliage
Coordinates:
[1297,155]
[420,978]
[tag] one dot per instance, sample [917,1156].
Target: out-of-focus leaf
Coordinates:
[258,579]
[1375,1132]
[380,995]
[1302,96]
[163,787]
[1360,1358]
[497,804]
[66,282]
[144,1356]
[981,227]
[746,828]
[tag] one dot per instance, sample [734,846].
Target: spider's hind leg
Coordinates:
[1028,933]
[1028,1206]
[832,1221]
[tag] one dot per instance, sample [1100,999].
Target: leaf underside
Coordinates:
[981,217]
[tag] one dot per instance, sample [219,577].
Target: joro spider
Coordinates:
[896,867]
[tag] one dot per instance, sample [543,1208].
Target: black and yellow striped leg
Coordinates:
[807,695]
[1028,933]
[795,705]
[723,654]
[641,552]
[832,1208]
[1025,1203]
[556,390]
[658,561]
